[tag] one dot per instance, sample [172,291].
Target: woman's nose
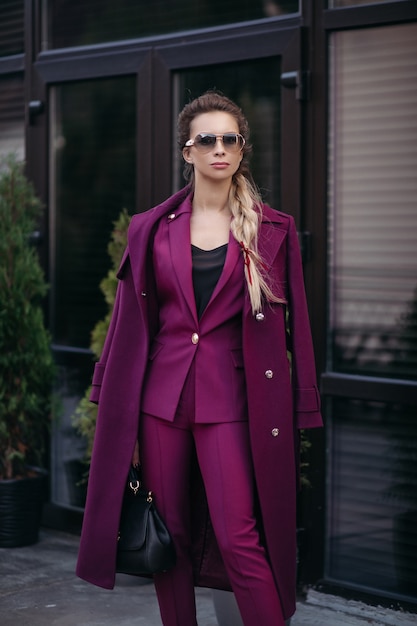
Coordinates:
[219,149]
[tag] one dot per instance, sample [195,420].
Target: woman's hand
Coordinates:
[135,457]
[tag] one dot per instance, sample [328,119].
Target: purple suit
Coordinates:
[277,403]
[215,339]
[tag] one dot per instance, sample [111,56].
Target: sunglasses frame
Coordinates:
[202,148]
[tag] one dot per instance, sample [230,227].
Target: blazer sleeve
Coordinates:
[100,366]
[306,394]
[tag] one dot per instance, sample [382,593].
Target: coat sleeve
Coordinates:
[100,366]
[306,394]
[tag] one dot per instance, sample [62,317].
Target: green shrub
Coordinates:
[26,363]
[85,416]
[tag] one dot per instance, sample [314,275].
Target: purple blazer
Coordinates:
[213,343]
[278,403]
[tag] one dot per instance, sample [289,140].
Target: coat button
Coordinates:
[275,432]
[172,216]
[143,294]
[195,338]
[269,373]
[259,317]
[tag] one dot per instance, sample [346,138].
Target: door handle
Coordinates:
[298,80]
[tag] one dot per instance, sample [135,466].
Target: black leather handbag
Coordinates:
[144,545]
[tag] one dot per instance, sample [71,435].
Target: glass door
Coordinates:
[260,100]
[253,71]
[92,179]
[372,340]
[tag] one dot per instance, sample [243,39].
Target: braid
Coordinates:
[243,198]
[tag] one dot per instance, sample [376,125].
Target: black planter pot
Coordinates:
[77,485]
[21,502]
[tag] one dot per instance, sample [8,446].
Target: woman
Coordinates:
[195,382]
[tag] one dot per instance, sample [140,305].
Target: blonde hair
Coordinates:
[243,197]
[245,202]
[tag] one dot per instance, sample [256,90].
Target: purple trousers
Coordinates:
[224,459]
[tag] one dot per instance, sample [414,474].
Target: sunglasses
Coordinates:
[204,142]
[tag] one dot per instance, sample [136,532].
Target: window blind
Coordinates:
[11,27]
[372,477]
[372,510]
[373,201]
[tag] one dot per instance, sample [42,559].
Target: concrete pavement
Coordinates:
[38,587]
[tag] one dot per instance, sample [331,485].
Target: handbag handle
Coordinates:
[135,482]
[134,479]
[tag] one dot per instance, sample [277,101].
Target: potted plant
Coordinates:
[26,363]
[84,418]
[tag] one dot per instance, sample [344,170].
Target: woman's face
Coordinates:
[218,162]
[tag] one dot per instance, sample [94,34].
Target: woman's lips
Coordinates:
[221,165]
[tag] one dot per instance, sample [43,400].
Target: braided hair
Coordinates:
[245,202]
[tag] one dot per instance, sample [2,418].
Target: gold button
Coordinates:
[259,317]
[269,373]
[275,432]
[172,216]
[195,338]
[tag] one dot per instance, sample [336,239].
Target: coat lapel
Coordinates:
[141,231]
[271,235]
[270,238]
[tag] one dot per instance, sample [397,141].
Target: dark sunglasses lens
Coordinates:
[231,140]
[205,141]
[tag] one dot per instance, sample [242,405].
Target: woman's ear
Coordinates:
[186,155]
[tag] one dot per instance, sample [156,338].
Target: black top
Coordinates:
[207,268]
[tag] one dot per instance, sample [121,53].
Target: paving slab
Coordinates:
[38,587]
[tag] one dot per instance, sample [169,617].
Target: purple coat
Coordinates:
[278,405]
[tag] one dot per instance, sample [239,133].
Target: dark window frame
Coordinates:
[334,384]
[141,58]
[320,21]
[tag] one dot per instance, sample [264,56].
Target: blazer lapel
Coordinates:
[180,247]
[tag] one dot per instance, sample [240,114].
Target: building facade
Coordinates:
[89,93]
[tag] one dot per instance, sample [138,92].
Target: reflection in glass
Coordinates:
[85,22]
[68,466]
[372,516]
[336,4]
[93,179]
[251,85]
[12,116]
[372,193]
